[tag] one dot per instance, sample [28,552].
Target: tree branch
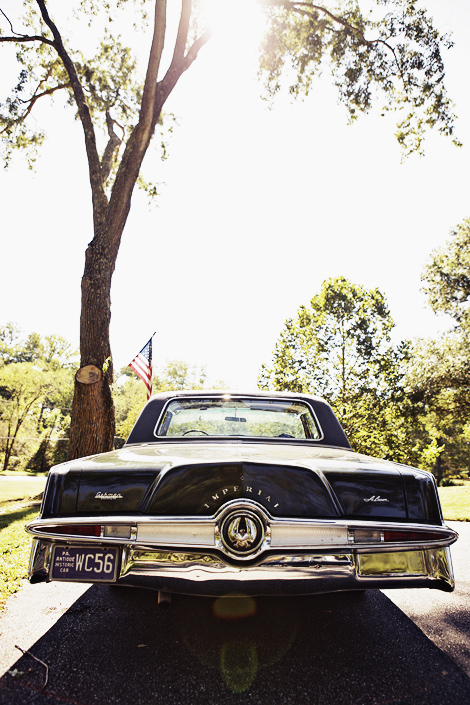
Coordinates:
[154,96]
[183,28]
[137,144]
[113,144]
[175,71]
[22,37]
[100,201]
[150,85]
[31,101]
[194,49]
[26,38]
[297,7]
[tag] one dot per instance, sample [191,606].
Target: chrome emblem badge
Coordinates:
[242,533]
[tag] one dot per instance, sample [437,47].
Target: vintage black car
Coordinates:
[218,493]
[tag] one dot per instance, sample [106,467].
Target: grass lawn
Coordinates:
[14,489]
[455,502]
[19,503]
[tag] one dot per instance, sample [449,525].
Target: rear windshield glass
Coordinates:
[257,418]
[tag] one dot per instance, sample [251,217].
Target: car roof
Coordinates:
[332,433]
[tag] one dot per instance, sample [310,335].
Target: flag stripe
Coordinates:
[142,366]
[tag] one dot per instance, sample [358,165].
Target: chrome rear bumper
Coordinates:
[206,573]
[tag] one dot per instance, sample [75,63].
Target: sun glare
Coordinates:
[235,21]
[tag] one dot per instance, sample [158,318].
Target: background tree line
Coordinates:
[36,392]
[36,389]
[407,402]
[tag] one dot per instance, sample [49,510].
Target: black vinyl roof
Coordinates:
[143,431]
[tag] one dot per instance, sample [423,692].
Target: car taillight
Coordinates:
[392,536]
[117,531]
[366,536]
[72,529]
[399,536]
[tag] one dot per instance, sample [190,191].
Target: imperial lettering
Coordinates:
[247,489]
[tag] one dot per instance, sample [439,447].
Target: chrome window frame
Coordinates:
[247,438]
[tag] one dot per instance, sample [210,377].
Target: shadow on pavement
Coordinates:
[115,645]
[8,517]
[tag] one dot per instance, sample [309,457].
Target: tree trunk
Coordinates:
[9,446]
[6,458]
[92,425]
[438,470]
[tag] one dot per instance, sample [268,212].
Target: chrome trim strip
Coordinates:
[177,533]
[205,532]
[284,535]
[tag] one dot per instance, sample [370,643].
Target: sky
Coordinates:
[257,207]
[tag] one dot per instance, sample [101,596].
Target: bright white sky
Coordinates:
[259,207]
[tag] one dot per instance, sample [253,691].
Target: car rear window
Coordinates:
[230,416]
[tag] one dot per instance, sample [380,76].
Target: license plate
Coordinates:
[90,564]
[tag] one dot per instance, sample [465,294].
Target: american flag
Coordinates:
[142,366]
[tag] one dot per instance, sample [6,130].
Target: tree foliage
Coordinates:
[36,387]
[384,50]
[438,378]
[438,386]
[339,347]
[52,351]
[441,365]
[340,344]
[446,276]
